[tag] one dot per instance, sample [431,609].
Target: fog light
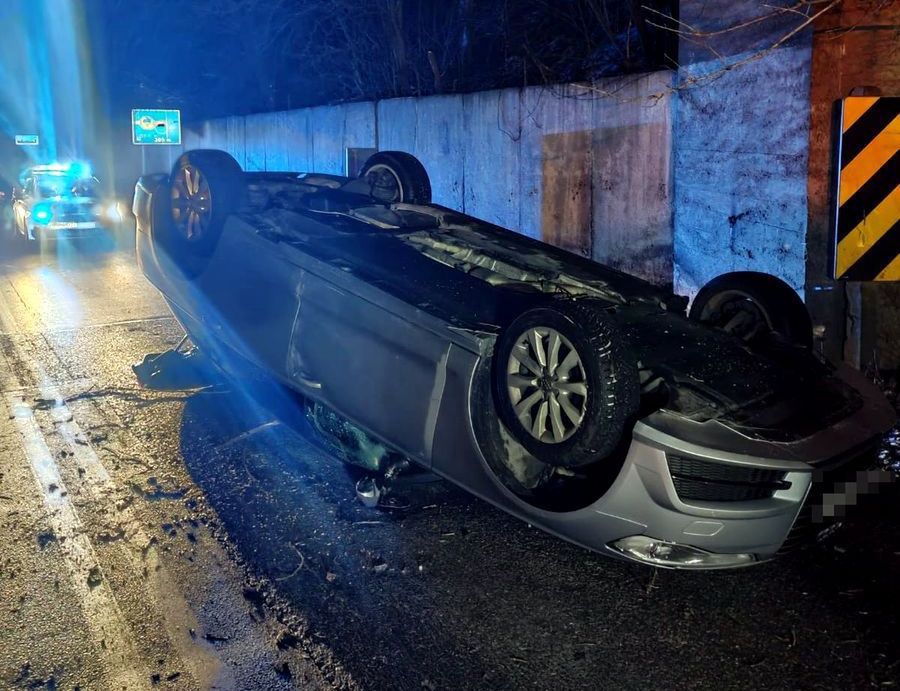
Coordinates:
[661,553]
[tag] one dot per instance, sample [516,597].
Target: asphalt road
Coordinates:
[192,539]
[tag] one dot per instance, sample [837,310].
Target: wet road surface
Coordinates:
[202,539]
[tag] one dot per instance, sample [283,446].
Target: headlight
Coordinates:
[113,213]
[42,214]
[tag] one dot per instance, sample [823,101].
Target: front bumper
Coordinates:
[816,480]
[66,229]
[645,495]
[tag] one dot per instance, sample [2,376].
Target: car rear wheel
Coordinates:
[565,384]
[397,177]
[206,186]
[751,305]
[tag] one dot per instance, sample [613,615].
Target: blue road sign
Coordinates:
[154,126]
[27,140]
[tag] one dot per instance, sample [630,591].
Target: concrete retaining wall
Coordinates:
[586,168]
[740,169]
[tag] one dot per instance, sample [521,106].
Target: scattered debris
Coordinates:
[287,640]
[44,539]
[46,403]
[94,578]
[174,370]
[283,670]
[155,492]
[215,639]
[368,492]
[106,537]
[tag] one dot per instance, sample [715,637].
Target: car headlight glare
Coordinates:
[661,553]
[42,214]
[113,213]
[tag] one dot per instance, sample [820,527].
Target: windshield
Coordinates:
[49,186]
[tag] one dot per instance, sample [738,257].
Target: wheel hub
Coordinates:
[191,203]
[546,385]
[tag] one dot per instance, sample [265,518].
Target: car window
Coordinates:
[47,189]
[86,187]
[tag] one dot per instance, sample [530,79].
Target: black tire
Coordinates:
[205,187]
[751,305]
[397,177]
[607,369]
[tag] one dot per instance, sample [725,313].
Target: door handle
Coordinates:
[307,381]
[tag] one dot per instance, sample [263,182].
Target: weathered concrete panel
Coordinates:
[359,125]
[235,139]
[256,131]
[327,128]
[441,143]
[555,165]
[566,191]
[632,176]
[586,168]
[632,200]
[275,142]
[397,124]
[298,141]
[493,127]
[740,145]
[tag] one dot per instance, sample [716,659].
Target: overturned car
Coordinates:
[571,395]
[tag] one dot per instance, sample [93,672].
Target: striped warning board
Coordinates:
[867,226]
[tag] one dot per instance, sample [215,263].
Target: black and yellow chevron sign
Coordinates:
[867,227]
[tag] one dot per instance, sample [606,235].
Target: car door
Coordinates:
[246,296]
[372,357]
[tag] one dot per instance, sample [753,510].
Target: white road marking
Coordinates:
[108,627]
[6,319]
[101,610]
[166,597]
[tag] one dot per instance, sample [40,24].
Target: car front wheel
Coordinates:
[565,384]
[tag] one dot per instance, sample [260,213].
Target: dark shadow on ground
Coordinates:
[455,594]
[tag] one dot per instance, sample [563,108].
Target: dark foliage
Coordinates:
[237,56]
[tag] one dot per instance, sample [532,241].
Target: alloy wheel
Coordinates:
[191,203]
[547,385]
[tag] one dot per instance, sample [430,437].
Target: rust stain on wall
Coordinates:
[566,193]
